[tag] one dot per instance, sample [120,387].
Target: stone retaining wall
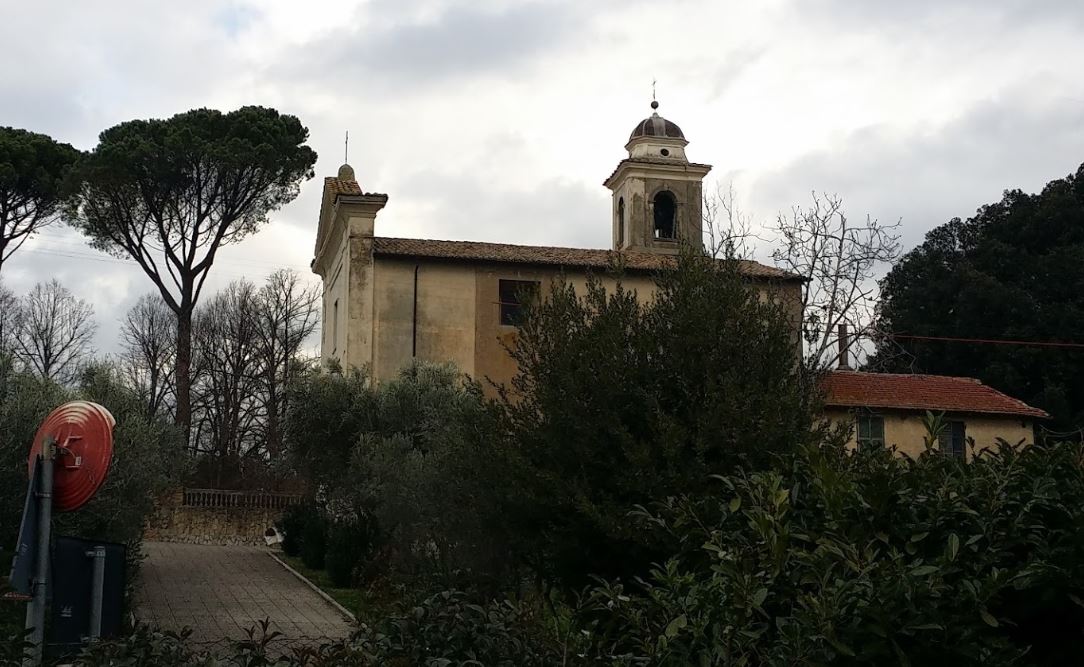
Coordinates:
[173,521]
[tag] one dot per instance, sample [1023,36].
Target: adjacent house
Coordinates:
[886,409]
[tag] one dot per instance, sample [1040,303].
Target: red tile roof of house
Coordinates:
[525,254]
[854,389]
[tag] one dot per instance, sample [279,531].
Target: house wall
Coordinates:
[905,429]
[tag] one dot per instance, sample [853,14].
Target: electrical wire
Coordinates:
[986,341]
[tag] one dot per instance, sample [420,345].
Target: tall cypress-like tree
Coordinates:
[33,168]
[1013,271]
[169,193]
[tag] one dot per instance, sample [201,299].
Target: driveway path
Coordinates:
[220,592]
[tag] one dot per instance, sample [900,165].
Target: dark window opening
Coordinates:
[665,152]
[871,431]
[621,222]
[514,294]
[665,215]
[335,327]
[953,439]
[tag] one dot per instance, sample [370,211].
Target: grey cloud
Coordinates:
[463,41]
[926,177]
[917,13]
[554,212]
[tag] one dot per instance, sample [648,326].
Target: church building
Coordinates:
[388,301]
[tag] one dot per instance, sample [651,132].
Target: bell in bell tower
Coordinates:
[657,192]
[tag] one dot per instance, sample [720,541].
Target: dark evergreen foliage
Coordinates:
[1012,271]
[169,193]
[618,403]
[34,171]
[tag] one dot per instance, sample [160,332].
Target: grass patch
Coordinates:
[350,598]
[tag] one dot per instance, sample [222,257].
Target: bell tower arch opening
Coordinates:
[664,209]
[620,222]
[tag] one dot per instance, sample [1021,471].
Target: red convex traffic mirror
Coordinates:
[83,433]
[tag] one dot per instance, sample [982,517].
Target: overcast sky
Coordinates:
[498,120]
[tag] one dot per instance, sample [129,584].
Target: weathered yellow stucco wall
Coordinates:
[335,305]
[444,328]
[458,312]
[492,363]
[906,431]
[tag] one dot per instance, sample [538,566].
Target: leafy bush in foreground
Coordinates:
[292,524]
[836,558]
[349,543]
[147,455]
[864,559]
[445,629]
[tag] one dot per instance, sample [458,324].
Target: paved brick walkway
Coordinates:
[219,592]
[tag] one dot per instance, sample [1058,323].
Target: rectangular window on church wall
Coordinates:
[512,295]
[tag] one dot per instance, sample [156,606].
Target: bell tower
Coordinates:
[657,192]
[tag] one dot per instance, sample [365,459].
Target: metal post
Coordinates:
[35,611]
[97,588]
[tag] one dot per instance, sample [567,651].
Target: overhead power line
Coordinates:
[988,341]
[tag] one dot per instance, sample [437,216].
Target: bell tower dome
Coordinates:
[657,192]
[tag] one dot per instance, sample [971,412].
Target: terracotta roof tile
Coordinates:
[341,186]
[524,254]
[854,389]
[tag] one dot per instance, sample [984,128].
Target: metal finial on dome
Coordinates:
[654,104]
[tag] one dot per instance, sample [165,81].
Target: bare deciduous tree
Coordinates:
[728,231]
[247,342]
[839,260]
[226,404]
[53,332]
[287,314]
[148,337]
[9,308]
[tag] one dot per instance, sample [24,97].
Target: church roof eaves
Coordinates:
[475,251]
[673,164]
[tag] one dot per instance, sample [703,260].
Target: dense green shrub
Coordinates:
[833,558]
[420,474]
[25,401]
[292,525]
[314,541]
[433,480]
[864,559]
[144,646]
[349,542]
[147,455]
[448,629]
[618,401]
[328,411]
